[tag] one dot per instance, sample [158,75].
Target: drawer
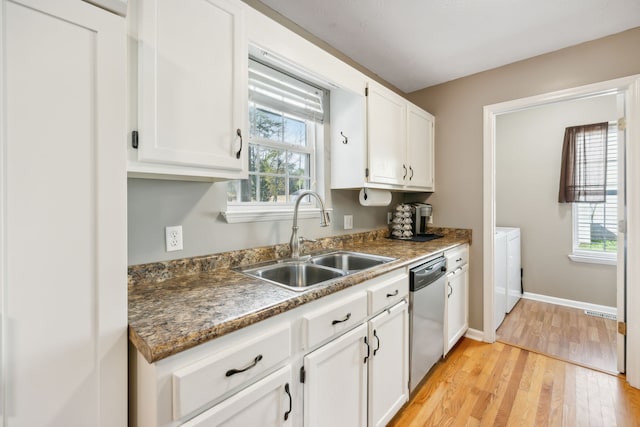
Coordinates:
[334,318]
[388,292]
[457,257]
[204,381]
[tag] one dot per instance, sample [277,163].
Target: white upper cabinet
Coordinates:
[380,140]
[420,149]
[387,136]
[192,90]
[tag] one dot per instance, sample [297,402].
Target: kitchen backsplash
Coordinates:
[163,270]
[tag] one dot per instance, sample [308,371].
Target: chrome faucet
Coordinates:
[295,241]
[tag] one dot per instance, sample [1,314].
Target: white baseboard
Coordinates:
[570,303]
[474,334]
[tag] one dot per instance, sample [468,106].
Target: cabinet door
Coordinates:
[267,403]
[389,363]
[420,148]
[348,142]
[457,306]
[192,87]
[386,134]
[63,189]
[335,387]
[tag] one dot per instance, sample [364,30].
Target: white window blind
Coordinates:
[595,224]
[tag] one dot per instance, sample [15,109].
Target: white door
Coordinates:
[267,403]
[192,84]
[335,387]
[420,148]
[386,136]
[457,305]
[621,258]
[63,214]
[388,364]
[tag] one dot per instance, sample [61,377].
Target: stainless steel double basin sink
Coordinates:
[314,270]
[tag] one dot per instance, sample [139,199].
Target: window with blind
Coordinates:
[285,120]
[596,224]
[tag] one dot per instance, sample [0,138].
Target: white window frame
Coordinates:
[240,212]
[592,256]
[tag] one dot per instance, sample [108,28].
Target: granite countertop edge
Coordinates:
[169,316]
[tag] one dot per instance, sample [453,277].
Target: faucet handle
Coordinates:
[325,220]
[304,239]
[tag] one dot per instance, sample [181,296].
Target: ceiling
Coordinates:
[415,44]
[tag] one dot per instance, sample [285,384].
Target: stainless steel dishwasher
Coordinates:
[426,324]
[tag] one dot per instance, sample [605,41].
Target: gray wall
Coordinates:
[458,108]
[155,204]
[528,154]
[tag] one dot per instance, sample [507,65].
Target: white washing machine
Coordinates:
[513,266]
[500,278]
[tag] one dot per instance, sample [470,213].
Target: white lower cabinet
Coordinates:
[267,403]
[388,363]
[457,297]
[351,350]
[335,383]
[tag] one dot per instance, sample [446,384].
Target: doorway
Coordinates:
[560,285]
[629,355]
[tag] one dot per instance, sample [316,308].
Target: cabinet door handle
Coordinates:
[237,371]
[239,133]
[450,290]
[392,294]
[410,170]
[368,350]
[347,317]
[405,171]
[378,339]
[286,390]
[345,140]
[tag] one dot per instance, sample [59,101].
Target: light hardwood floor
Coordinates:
[481,384]
[563,332]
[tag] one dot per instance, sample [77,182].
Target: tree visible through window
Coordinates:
[283,115]
[595,224]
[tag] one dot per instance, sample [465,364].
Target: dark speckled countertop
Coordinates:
[176,305]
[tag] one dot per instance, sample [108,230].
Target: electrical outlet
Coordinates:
[389,217]
[173,238]
[348,222]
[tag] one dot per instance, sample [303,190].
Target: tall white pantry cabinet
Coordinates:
[63,215]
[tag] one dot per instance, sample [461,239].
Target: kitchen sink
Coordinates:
[295,274]
[349,261]
[314,270]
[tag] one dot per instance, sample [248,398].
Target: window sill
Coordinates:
[235,216]
[593,259]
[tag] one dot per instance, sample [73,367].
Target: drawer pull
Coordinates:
[377,338]
[286,390]
[459,259]
[347,317]
[237,371]
[393,294]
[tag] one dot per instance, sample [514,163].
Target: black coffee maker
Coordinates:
[421,215]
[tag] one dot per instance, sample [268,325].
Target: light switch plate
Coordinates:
[348,222]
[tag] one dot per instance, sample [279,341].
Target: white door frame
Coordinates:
[631,87]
